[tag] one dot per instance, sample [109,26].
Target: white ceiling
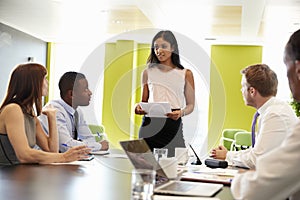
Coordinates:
[218,20]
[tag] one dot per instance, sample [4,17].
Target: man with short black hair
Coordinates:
[72,127]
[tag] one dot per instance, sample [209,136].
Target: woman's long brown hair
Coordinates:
[25,87]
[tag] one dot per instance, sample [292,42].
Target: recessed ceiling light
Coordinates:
[105,11]
[210,39]
[117,21]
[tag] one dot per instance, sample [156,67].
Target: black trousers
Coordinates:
[162,133]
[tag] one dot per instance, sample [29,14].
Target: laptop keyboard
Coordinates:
[179,186]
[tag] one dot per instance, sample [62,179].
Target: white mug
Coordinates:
[169,165]
[181,153]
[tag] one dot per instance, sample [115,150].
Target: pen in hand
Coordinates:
[65,145]
[101,136]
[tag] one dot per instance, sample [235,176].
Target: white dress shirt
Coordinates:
[65,126]
[277,174]
[276,120]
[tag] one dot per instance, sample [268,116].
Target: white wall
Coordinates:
[15,48]
[273,57]
[73,57]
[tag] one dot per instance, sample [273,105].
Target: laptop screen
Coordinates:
[141,156]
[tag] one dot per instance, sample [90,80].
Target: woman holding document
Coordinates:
[166,80]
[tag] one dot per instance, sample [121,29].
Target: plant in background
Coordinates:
[296,106]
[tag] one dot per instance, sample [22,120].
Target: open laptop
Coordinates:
[141,157]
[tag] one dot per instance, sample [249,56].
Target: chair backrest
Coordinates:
[228,137]
[242,140]
[95,129]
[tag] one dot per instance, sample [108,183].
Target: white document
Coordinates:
[206,174]
[100,152]
[157,109]
[166,197]
[218,171]
[116,155]
[90,162]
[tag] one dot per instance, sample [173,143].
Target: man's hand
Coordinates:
[219,152]
[105,145]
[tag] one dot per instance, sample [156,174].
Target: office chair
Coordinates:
[242,141]
[227,138]
[96,130]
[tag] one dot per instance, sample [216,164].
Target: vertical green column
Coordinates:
[48,64]
[143,52]
[50,60]
[121,88]
[117,90]
[227,108]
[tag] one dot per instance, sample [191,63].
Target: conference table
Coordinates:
[106,177]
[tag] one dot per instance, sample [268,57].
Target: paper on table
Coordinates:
[91,162]
[116,155]
[217,171]
[100,152]
[157,109]
[210,178]
[166,197]
[224,176]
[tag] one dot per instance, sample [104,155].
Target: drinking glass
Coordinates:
[160,153]
[142,184]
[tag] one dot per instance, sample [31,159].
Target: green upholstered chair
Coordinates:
[95,129]
[242,140]
[228,137]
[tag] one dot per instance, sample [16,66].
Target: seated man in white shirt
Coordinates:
[277,173]
[276,119]
[73,131]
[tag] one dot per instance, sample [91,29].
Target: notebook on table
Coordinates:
[141,157]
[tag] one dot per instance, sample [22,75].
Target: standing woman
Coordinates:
[20,130]
[166,80]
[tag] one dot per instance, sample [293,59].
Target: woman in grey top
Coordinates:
[20,130]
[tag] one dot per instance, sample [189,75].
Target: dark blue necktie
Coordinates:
[253,127]
[75,125]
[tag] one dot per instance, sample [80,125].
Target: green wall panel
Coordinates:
[117,86]
[227,108]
